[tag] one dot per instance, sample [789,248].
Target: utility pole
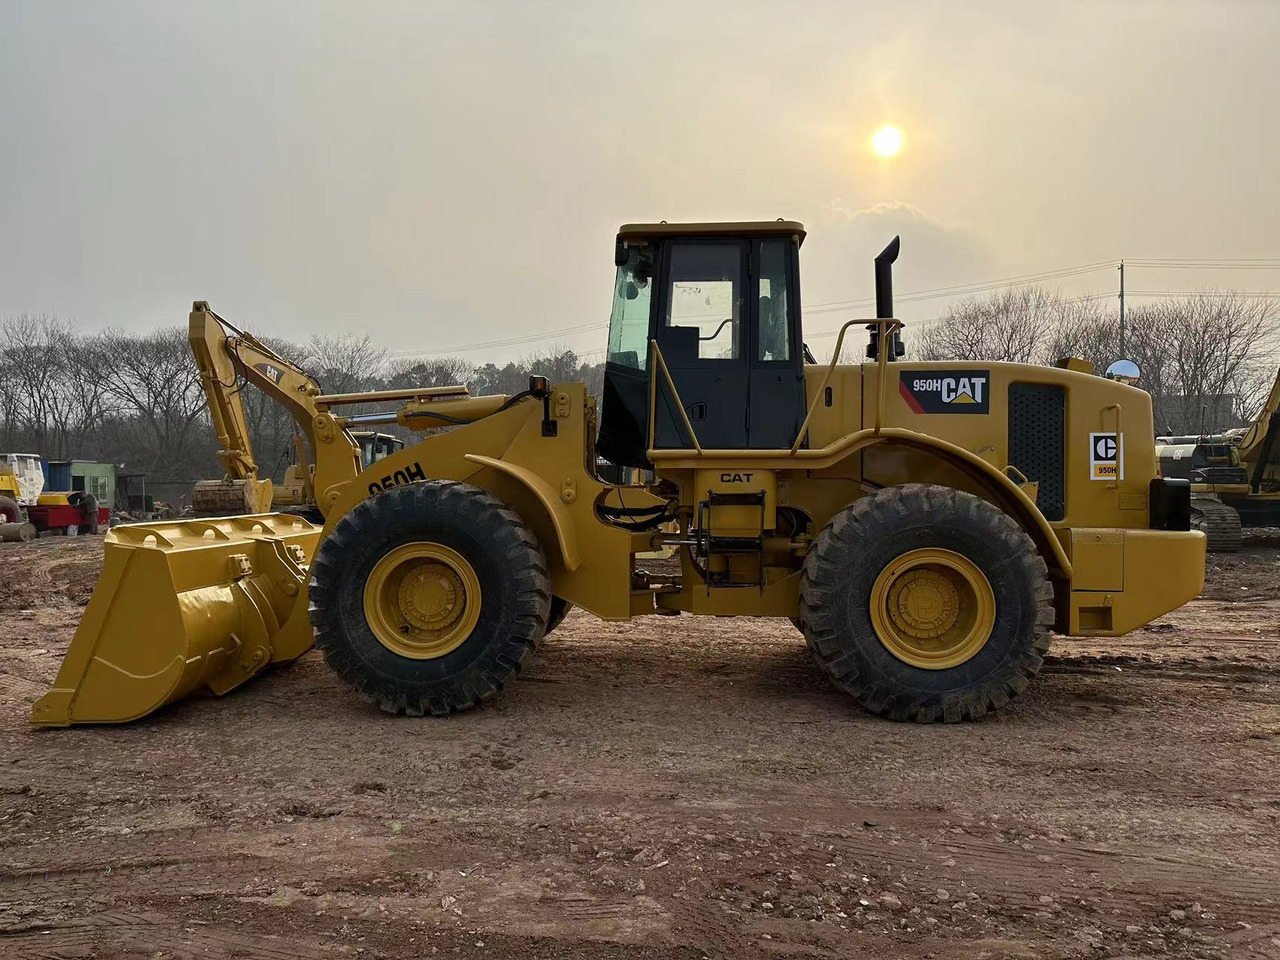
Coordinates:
[1122,350]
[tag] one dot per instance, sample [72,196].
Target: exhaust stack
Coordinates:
[884,302]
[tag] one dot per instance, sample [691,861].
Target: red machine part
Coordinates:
[59,516]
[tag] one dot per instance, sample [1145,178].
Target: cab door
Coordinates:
[776,403]
[702,330]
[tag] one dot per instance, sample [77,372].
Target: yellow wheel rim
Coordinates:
[422,600]
[932,608]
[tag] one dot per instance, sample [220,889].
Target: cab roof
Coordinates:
[740,228]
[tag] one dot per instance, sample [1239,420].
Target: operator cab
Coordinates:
[375,446]
[721,302]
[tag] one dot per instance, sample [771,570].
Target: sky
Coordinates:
[449,177]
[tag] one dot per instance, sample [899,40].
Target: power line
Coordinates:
[1209,294]
[508,342]
[1244,261]
[1202,265]
[934,293]
[973,287]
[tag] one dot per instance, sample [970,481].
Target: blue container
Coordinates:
[59,476]
[44,468]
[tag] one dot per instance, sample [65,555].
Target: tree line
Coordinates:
[135,398]
[1208,359]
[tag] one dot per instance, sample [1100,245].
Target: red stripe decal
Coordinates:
[906,395]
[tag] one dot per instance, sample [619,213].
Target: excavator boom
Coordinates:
[1258,445]
[227,358]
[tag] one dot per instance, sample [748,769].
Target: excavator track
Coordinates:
[1219,522]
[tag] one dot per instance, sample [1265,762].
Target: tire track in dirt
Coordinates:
[151,933]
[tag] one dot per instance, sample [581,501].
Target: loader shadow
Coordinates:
[592,675]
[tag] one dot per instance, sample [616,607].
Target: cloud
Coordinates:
[837,261]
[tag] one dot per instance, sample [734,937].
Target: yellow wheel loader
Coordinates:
[926,524]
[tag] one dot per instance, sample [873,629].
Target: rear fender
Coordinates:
[991,484]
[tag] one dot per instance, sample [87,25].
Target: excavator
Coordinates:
[925,524]
[1235,475]
[240,492]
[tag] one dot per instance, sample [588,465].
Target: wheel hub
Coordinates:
[431,596]
[932,608]
[924,603]
[422,600]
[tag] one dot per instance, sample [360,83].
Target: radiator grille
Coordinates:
[1037,428]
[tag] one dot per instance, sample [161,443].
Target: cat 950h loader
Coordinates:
[926,525]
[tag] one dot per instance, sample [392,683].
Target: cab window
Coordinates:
[773,341]
[706,294]
[629,320]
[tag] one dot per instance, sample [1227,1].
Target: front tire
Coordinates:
[926,603]
[560,608]
[427,598]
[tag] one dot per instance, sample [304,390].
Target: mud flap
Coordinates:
[184,605]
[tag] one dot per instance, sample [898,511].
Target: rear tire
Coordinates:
[10,512]
[865,543]
[500,559]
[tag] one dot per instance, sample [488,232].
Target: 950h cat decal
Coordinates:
[946,391]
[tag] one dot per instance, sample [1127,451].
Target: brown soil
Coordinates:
[667,788]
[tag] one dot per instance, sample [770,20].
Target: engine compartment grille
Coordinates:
[1037,447]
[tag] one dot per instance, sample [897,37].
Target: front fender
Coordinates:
[561,520]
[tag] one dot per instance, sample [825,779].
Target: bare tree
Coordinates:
[1011,325]
[1207,359]
[157,392]
[428,372]
[347,363]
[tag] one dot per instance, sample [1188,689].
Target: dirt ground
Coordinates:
[668,788]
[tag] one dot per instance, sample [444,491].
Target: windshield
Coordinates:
[629,321]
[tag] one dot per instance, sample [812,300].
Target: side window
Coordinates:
[707,295]
[774,339]
[629,319]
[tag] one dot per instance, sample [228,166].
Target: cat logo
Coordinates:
[962,390]
[270,371]
[1106,456]
[735,477]
[946,391]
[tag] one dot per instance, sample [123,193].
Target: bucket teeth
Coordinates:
[183,606]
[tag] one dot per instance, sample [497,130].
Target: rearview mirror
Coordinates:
[1125,371]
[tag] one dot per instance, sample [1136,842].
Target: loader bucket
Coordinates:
[183,605]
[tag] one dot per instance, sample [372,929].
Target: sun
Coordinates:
[887,142]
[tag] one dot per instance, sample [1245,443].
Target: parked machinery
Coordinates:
[927,524]
[1235,475]
[296,493]
[69,513]
[21,481]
